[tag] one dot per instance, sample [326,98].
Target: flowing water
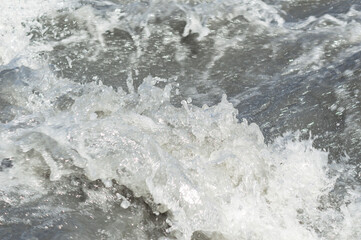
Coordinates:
[219,119]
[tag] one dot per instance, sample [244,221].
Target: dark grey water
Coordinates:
[97,143]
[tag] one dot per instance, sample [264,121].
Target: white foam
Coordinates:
[212,173]
[15,21]
[208,170]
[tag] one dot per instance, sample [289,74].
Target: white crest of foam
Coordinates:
[210,172]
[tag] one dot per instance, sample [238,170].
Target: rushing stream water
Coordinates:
[219,119]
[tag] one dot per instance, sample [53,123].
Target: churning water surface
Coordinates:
[223,119]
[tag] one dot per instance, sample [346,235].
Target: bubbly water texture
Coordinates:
[98,143]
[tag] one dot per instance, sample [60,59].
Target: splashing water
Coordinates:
[97,143]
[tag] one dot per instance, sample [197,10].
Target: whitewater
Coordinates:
[202,120]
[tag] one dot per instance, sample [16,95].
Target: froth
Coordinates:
[211,173]
[15,22]
[208,171]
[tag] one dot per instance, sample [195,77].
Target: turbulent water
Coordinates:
[224,119]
